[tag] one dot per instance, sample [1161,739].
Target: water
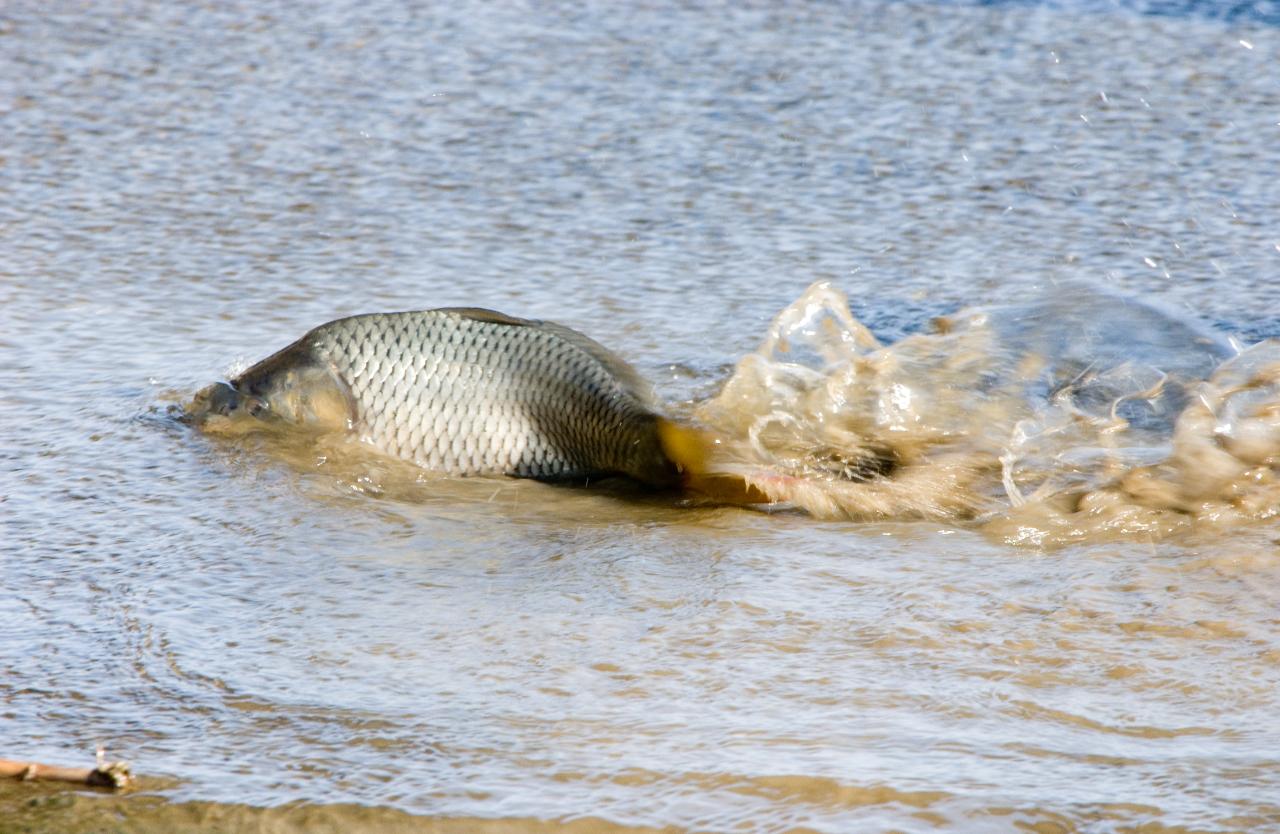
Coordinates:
[186,187]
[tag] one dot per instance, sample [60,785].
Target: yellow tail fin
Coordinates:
[694,451]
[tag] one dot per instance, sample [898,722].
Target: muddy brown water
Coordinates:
[288,640]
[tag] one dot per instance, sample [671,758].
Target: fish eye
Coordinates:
[255,406]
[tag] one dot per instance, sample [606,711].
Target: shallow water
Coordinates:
[187,187]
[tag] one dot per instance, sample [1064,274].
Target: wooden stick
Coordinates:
[114,775]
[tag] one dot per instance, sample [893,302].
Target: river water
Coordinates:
[277,644]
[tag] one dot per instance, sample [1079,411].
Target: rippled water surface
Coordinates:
[186,187]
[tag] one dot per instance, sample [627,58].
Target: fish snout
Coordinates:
[216,400]
[221,406]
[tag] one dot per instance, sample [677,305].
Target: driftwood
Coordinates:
[114,775]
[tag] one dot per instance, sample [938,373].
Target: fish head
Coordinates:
[222,408]
[274,395]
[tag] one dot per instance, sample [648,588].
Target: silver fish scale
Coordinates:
[471,396]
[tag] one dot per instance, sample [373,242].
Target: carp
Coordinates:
[463,391]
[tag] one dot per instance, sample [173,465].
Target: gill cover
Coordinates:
[306,395]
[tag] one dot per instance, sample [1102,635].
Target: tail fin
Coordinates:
[694,451]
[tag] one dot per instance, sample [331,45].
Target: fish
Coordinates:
[463,391]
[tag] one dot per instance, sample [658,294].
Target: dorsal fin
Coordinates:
[616,365]
[490,316]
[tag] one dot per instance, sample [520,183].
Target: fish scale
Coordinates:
[468,392]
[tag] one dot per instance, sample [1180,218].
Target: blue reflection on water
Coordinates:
[1265,12]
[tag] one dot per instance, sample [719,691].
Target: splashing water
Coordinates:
[1078,415]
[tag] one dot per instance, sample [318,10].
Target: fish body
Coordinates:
[462,391]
